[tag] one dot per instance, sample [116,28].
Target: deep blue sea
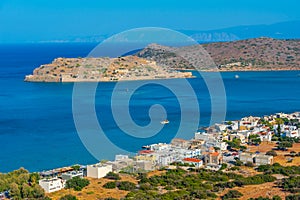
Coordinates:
[37,129]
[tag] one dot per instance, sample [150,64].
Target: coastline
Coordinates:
[241,70]
[167,78]
[237,120]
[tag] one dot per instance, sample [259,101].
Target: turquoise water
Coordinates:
[37,130]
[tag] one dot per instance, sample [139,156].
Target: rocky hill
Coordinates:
[251,54]
[102,69]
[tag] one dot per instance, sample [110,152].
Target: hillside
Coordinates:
[251,54]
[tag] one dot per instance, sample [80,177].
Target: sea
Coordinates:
[37,127]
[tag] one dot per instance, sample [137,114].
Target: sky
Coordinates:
[42,20]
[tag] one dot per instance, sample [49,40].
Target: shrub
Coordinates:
[271,153]
[110,185]
[232,194]
[77,183]
[293,197]
[126,185]
[238,163]
[249,164]
[291,184]
[68,197]
[224,166]
[112,176]
[235,168]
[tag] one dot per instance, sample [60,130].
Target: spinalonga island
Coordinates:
[103,69]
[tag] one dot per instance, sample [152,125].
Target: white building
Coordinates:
[203,136]
[159,147]
[98,170]
[121,157]
[292,133]
[196,162]
[266,136]
[264,160]
[52,185]
[214,143]
[221,127]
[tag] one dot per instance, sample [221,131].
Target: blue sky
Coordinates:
[36,20]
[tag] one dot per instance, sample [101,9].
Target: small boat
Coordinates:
[237,76]
[165,121]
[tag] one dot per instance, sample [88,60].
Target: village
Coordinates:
[212,148]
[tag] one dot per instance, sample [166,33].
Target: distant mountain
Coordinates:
[251,54]
[283,30]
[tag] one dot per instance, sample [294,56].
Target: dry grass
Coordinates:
[282,155]
[156,173]
[95,190]
[255,191]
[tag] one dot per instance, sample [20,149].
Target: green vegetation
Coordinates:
[122,185]
[271,153]
[110,185]
[278,169]
[77,183]
[232,194]
[76,167]
[68,197]
[126,185]
[266,198]
[293,197]
[291,184]
[224,166]
[254,139]
[235,143]
[193,184]
[284,145]
[21,185]
[112,176]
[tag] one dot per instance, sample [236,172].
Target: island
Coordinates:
[103,69]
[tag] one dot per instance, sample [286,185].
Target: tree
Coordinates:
[38,191]
[76,167]
[279,121]
[224,166]
[14,191]
[34,178]
[26,191]
[68,197]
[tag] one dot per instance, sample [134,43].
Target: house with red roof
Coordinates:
[193,161]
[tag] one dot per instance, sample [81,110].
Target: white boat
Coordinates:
[165,121]
[237,76]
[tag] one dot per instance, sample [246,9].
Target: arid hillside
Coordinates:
[251,54]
